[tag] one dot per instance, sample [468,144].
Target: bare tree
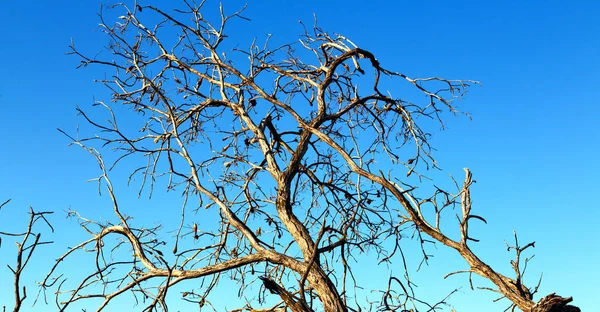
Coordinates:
[298,151]
[30,240]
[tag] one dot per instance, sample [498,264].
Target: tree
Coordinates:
[29,243]
[298,151]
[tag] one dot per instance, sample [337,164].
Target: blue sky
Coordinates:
[532,145]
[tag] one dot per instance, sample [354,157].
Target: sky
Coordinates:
[533,142]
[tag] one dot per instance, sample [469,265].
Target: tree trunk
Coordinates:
[326,290]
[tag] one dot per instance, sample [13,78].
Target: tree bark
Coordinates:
[326,290]
[554,303]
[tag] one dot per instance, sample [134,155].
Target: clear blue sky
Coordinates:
[533,143]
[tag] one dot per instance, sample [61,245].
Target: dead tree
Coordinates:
[30,240]
[298,150]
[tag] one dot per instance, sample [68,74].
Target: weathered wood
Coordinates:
[555,303]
